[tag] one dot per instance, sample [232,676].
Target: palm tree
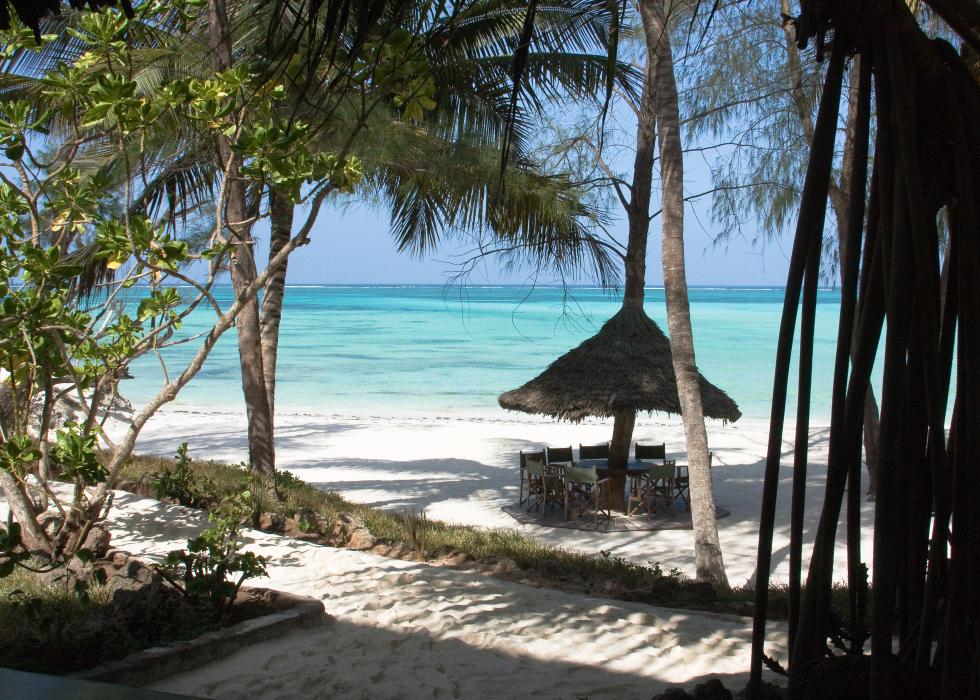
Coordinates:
[707,548]
[657,117]
[437,176]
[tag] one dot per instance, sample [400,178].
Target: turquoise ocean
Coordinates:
[438,350]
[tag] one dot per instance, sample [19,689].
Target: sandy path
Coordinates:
[407,630]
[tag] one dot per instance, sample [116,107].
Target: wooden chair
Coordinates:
[540,484]
[682,482]
[648,453]
[656,484]
[593,451]
[559,455]
[645,453]
[539,456]
[587,492]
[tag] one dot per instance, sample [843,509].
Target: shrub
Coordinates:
[213,567]
[181,485]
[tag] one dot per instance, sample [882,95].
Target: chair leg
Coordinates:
[607,510]
[537,498]
[683,494]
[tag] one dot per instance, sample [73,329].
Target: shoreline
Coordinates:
[463,469]
[494,415]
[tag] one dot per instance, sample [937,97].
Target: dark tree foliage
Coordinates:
[926,165]
[31,12]
[320,23]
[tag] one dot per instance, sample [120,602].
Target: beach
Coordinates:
[387,395]
[404,629]
[415,470]
[400,629]
[465,470]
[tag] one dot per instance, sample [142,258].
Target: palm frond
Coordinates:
[436,191]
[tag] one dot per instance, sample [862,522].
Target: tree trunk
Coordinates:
[281,215]
[707,548]
[619,454]
[261,445]
[638,214]
[34,539]
[839,204]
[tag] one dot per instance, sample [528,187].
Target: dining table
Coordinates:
[602,465]
[634,468]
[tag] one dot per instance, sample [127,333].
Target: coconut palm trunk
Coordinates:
[273,295]
[261,445]
[707,548]
[638,215]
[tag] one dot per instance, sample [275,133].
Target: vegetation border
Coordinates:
[150,665]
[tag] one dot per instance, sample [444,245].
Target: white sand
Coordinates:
[465,470]
[400,629]
[406,630]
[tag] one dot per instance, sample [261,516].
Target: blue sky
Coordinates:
[355,247]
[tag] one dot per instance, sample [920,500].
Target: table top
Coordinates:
[603,464]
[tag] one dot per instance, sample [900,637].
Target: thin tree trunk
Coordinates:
[638,214]
[839,204]
[261,445]
[35,540]
[709,563]
[281,215]
[809,225]
[619,452]
[842,214]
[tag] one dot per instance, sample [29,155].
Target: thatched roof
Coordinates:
[627,365]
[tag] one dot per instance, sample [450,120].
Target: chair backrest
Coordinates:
[580,475]
[593,451]
[651,451]
[534,467]
[559,454]
[662,472]
[531,455]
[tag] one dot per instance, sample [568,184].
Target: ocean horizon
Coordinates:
[451,350]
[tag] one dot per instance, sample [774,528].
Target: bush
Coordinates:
[181,485]
[213,568]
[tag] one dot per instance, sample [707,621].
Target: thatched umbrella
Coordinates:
[626,366]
